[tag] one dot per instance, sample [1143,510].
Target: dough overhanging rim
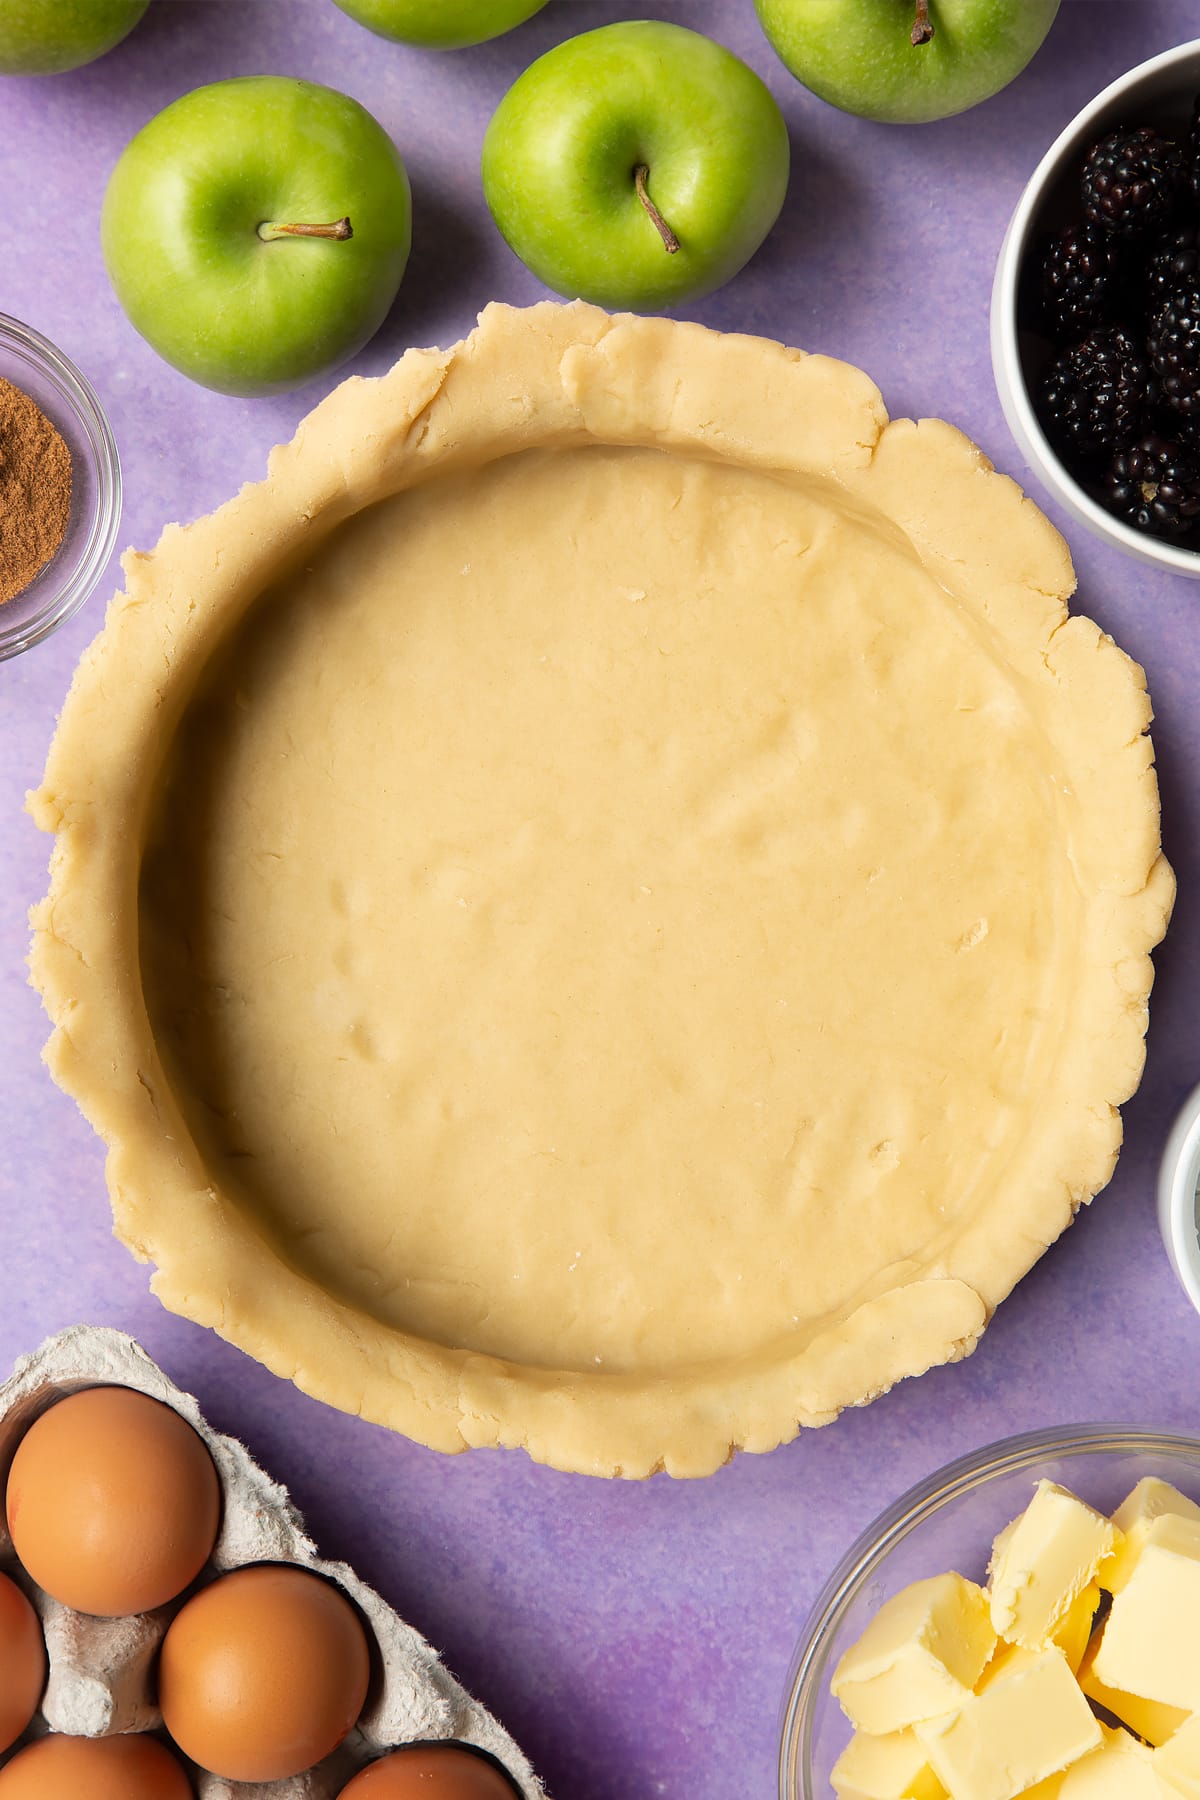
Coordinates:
[559,376]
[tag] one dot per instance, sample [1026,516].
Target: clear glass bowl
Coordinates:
[948,1522]
[30,361]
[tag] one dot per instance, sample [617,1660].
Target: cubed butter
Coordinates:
[1149,1718]
[1073,1632]
[1050,1789]
[1000,1542]
[1042,1563]
[1027,1723]
[1072,1636]
[1150,1645]
[1150,1499]
[894,1767]
[1003,1658]
[1177,1762]
[920,1655]
[1005,1661]
[1121,1769]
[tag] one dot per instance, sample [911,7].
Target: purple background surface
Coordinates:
[635,1638]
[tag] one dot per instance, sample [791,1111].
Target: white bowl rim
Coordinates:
[1006,361]
[1178,1182]
[1007,1455]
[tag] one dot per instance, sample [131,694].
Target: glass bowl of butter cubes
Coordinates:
[1025,1625]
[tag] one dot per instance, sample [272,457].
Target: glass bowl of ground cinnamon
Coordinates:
[60,488]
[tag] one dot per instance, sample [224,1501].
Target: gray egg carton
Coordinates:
[101,1671]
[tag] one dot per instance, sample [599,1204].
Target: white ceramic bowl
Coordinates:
[948,1522]
[1178,1186]
[1159,92]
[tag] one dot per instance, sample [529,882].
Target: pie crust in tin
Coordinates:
[606,905]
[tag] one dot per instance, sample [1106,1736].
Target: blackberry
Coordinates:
[1154,485]
[1192,153]
[1079,284]
[1131,181]
[1173,341]
[1094,393]
[1174,262]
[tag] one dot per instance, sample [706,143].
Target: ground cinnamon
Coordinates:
[35,490]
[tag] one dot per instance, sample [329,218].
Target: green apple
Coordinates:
[256,231]
[46,37]
[441,24]
[638,165]
[906,61]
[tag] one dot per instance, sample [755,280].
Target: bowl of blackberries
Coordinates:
[1096,314]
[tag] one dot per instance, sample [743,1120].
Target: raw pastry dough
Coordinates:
[606,906]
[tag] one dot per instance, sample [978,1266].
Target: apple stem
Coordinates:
[670,241]
[922,29]
[340,229]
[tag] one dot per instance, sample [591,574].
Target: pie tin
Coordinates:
[1159,92]
[298,1286]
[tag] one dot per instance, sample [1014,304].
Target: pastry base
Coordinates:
[624,900]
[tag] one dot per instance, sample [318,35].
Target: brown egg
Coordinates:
[75,1768]
[430,1772]
[263,1673]
[22,1662]
[113,1502]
